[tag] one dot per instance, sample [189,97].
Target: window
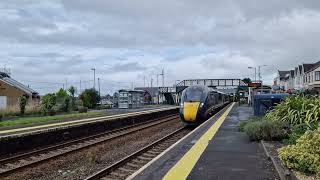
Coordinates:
[317,75]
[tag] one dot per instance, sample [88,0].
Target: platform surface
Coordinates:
[30,128]
[228,155]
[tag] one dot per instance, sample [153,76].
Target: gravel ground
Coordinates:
[84,163]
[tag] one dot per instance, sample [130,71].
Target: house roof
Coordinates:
[315,66]
[300,69]
[8,80]
[307,67]
[292,73]
[282,74]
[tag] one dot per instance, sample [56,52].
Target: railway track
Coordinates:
[130,164]
[17,162]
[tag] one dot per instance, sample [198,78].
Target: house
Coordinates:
[281,79]
[303,77]
[11,91]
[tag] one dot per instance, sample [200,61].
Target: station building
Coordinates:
[12,90]
[130,99]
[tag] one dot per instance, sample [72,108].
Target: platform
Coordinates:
[32,128]
[215,150]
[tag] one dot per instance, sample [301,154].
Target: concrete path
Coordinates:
[230,155]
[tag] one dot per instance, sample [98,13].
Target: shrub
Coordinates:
[297,110]
[48,102]
[66,104]
[15,111]
[305,154]
[296,131]
[266,130]
[83,109]
[23,103]
[90,98]
[72,90]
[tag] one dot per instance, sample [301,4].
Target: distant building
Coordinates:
[11,91]
[303,77]
[130,99]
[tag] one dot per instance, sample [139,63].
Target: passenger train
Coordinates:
[199,103]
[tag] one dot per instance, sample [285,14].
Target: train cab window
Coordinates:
[194,94]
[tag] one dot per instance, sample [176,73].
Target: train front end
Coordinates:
[192,104]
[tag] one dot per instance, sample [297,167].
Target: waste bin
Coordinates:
[264,102]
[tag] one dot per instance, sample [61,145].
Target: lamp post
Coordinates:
[255,72]
[94,78]
[260,78]
[260,71]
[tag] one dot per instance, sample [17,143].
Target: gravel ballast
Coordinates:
[81,164]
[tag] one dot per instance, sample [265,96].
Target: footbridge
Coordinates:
[171,95]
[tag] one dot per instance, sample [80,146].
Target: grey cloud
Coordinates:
[240,32]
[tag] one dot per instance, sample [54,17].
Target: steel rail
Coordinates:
[108,136]
[102,173]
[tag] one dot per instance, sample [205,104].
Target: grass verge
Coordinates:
[34,120]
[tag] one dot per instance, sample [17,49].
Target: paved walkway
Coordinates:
[230,155]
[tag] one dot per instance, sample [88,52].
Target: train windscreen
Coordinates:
[193,94]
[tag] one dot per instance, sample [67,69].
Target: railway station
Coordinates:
[150,90]
[213,148]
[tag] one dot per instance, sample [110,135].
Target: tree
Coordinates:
[90,98]
[23,103]
[48,102]
[72,90]
[62,93]
[247,80]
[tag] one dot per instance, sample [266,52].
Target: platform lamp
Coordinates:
[255,72]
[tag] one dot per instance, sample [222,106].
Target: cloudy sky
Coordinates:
[46,43]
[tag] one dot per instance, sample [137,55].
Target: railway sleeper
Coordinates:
[132,165]
[145,158]
[128,170]
[138,161]
[117,174]
[147,154]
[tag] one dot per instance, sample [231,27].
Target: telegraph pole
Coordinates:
[144,81]
[99,86]
[151,81]
[162,77]
[158,80]
[94,78]
[80,87]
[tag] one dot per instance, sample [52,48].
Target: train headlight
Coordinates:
[181,105]
[201,105]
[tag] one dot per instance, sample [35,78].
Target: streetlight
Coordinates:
[260,71]
[255,72]
[94,78]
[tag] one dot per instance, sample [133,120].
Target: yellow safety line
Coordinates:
[77,122]
[185,165]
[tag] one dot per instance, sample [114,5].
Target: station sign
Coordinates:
[254,84]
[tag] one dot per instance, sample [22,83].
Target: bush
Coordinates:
[48,102]
[304,155]
[66,104]
[23,103]
[83,109]
[296,131]
[297,110]
[90,98]
[15,111]
[265,130]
